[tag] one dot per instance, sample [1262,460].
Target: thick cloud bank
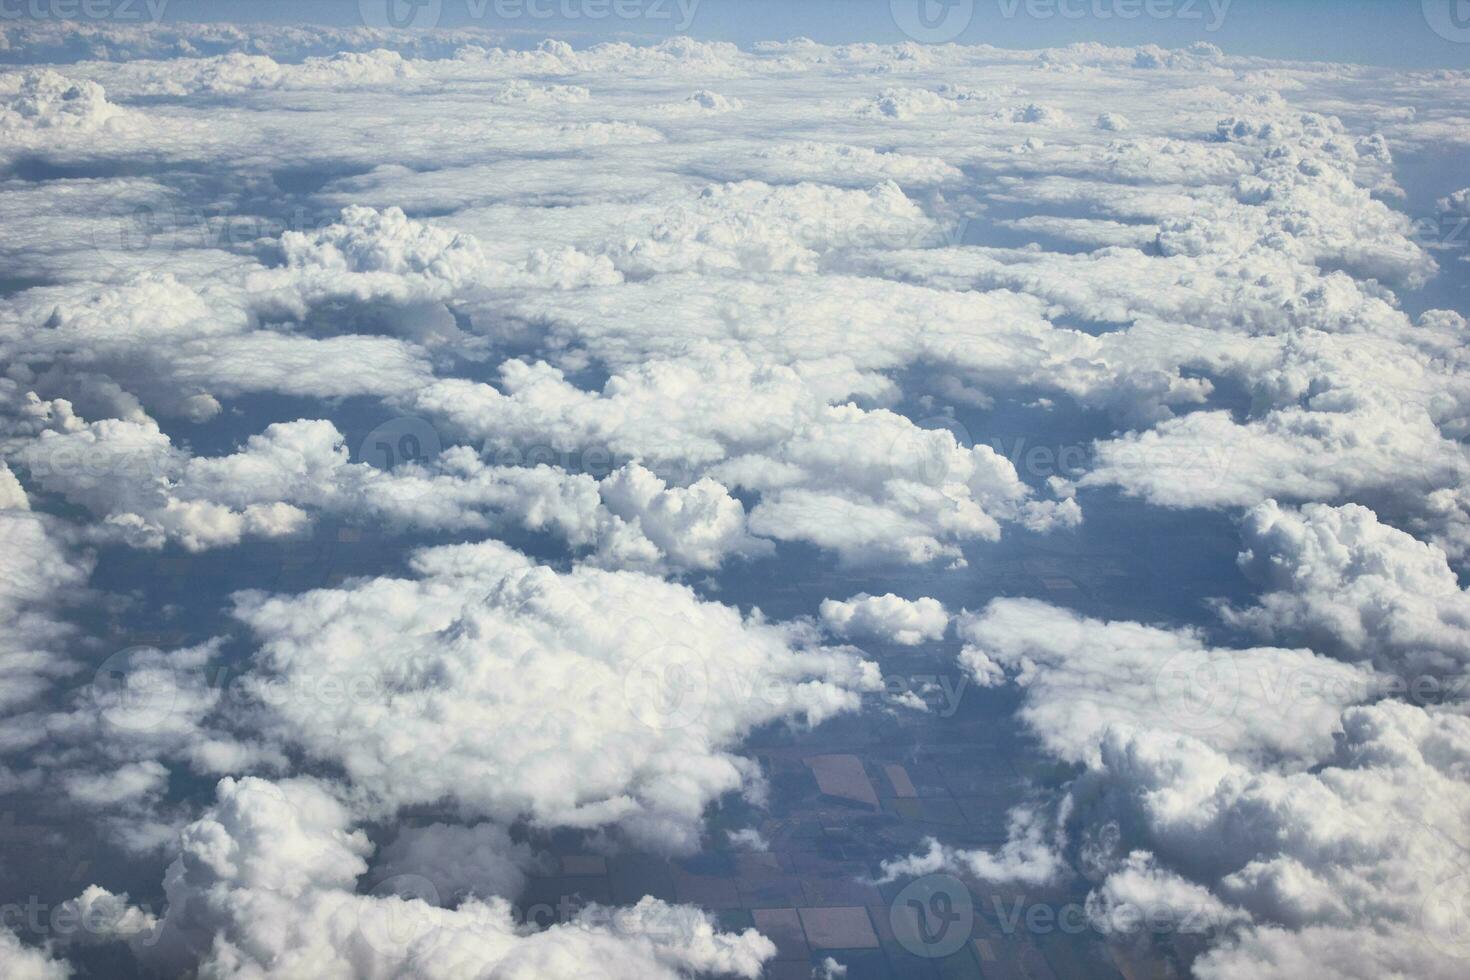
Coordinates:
[588,699]
[264,886]
[401,434]
[1300,812]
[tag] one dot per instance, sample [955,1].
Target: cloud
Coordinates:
[752,227]
[177,348]
[129,782]
[235,73]
[886,617]
[521,92]
[132,723]
[1084,676]
[1457,204]
[372,255]
[689,527]
[40,574]
[1346,583]
[1029,856]
[843,165]
[657,333]
[588,699]
[102,917]
[150,492]
[458,861]
[47,100]
[749,839]
[1225,808]
[904,104]
[264,886]
[908,493]
[27,963]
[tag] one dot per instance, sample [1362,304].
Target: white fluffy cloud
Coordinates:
[675,307]
[177,347]
[688,527]
[1083,677]
[886,617]
[1339,578]
[754,228]
[45,100]
[1256,797]
[373,255]
[28,963]
[265,886]
[235,73]
[587,699]
[148,491]
[457,861]
[39,575]
[865,483]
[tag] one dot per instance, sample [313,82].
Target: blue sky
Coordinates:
[1396,33]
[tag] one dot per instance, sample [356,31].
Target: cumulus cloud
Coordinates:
[1343,581]
[176,348]
[128,782]
[688,527]
[386,256]
[150,492]
[587,699]
[235,73]
[886,617]
[265,886]
[673,307]
[1255,798]
[1029,856]
[753,227]
[904,104]
[40,574]
[868,484]
[457,861]
[843,164]
[46,100]
[1083,676]
[28,963]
